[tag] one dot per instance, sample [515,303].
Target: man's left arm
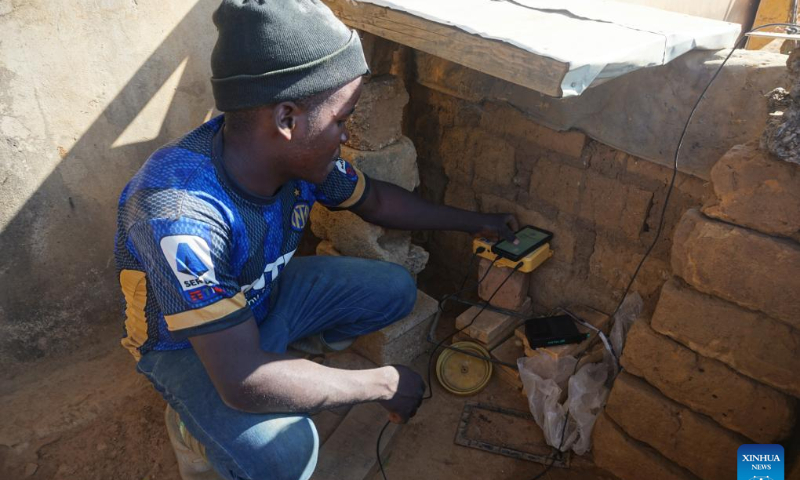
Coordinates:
[393,207]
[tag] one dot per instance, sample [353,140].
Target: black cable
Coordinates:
[660,227]
[378,449]
[649,250]
[483,307]
[438,345]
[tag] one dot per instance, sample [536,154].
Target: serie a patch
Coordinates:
[760,462]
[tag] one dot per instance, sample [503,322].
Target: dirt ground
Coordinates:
[90,416]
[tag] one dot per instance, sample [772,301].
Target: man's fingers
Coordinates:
[512,223]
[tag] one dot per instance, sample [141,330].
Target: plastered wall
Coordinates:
[87,90]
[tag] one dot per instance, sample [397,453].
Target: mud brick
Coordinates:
[509,122]
[757,190]
[453,79]
[490,163]
[739,265]
[557,184]
[687,438]
[628,459]
[514,292]
[403,340]
[509,351]
[749,342]
[614,205]
[708,386]
[378,119]
[489,326]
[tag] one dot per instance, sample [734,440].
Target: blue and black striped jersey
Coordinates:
[197,254]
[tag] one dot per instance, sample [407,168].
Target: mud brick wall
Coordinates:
[477,151]
[716,367]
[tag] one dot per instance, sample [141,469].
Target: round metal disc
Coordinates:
[463,374]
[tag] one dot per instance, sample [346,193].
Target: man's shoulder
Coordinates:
[176,179]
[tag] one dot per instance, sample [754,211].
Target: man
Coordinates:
[206,234]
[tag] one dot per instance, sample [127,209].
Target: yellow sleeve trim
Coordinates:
[209,313]
[357,193]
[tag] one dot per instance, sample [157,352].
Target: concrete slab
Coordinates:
[402,341]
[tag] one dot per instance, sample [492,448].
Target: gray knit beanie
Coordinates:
[270,51]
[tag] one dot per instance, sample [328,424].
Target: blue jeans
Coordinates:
[340,297]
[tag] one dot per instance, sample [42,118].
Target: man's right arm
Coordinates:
[252,380]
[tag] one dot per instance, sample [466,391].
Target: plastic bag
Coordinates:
[547,381]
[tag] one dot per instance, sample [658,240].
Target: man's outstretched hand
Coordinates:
[407,396]
[497,226]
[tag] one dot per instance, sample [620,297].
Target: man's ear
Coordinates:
[286,116]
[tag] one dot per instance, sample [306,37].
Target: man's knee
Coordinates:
[403,288]
[282,449]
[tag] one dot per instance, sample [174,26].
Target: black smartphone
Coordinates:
[530,238]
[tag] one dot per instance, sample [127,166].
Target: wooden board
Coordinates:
[769,11]
[499,59]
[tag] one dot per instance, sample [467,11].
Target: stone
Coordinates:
[780,135]
[402,341]
[378,119]
[557,184]
[687,438]
[509,122]
[628,459]
[757,190]
[487,325]
[417,259]
[747,341]
[514,290]
[352,236]
[396,163]
[325,247]
[614,205]
[708,386]
[739,265]
[509,351]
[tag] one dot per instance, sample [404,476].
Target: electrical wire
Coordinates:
[659,230]
[671,186]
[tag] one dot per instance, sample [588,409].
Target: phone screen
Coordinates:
[528,237]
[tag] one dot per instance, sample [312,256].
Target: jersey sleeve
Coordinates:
[189,269]
[345,187]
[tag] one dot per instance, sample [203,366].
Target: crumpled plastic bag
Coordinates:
[553,390]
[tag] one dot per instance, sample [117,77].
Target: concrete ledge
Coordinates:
[403,340]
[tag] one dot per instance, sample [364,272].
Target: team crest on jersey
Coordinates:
[189,257]
[300,216]
[346,169]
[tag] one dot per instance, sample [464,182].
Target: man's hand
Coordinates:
[497,226]
[390,206]
[407,396]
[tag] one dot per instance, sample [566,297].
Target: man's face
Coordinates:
[321,133]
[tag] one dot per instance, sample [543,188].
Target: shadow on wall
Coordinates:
[57,269]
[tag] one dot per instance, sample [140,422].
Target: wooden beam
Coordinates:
[493,57]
